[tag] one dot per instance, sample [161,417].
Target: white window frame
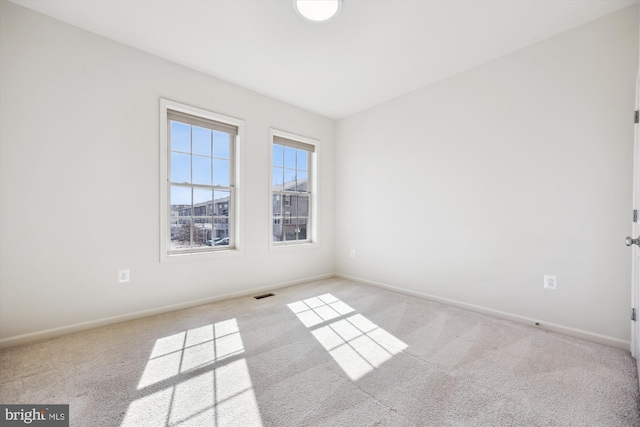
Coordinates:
[236,217]
[312,185]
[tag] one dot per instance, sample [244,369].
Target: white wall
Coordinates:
[79,191]
[473,188]
[470,189]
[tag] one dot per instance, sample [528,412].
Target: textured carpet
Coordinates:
[328,353]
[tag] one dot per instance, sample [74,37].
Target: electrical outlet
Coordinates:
[352,253]
[551,282]
[123,276]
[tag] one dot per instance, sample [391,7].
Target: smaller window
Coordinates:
[292,188]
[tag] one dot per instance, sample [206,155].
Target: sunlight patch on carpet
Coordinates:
[356,344]
[209,381]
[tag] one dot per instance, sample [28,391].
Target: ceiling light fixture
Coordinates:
[317,10]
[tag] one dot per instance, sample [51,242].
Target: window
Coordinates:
[292,189]
[199,180]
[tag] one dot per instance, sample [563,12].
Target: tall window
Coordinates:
[200,182]
[291,187]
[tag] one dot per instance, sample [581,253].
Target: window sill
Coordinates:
[293,246]
[198,256]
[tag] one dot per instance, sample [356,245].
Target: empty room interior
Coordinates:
[319,213]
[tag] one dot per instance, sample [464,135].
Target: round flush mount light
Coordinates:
[317,10]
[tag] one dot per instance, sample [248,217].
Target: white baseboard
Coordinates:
[63,330]
[77,327]
[553,327]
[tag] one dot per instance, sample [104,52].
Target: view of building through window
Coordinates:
[201,214]
[290,190]
[201,183]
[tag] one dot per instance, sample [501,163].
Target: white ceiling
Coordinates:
[375,50]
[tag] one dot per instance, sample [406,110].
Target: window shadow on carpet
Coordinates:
[356,344]
[196,377]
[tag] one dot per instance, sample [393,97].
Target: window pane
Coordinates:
[180,137]
[201,141]
[181,233]
[221,172]
[221,145]
[290,206]
[277,178]
[289,157]
[302,163]
[290,229]
[303,206]
[302,228]
[202,205]
[180,200]
[289,179]
[180,167]
[201,170]
[221,203]
[277,205]
[221,232]
[278,155]
[301,180]
[180,217]
[201,232]
[277,229]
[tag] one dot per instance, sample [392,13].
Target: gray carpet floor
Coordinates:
[327,353]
